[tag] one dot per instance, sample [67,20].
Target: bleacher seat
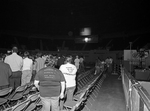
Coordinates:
[3,97]
[17,95]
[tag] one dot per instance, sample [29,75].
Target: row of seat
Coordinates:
[85,78]
[32,101]
[10,97]
[84,93]
[84,74]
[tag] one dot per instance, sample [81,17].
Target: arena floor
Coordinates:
[110,96]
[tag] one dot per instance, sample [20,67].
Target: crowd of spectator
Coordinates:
[101,64]
[54,76]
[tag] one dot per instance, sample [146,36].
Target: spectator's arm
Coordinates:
[9,71]
[63,85]
[36,83]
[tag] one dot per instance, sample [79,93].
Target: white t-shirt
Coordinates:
[69,71]
[27,64]
[15,61]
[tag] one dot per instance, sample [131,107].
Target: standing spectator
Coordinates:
[5,73]
[40,62]
[81,64]
[26,69]
[15,61]
[34,67]
[60,61]
[77,62]
[97,66]
[51,84]
[69,70]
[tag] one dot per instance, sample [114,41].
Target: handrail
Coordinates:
[144,95]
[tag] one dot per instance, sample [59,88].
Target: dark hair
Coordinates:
[39,54]
[68,59]
[50,61]
[26,54]
[15,49]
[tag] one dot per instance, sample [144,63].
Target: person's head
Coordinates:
[68,59]
[50,61]
[26,54]
[15,49]
[39,54]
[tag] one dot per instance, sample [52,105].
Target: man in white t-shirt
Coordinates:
[15,61]
[69,70]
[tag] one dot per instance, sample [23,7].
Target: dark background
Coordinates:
[58,22]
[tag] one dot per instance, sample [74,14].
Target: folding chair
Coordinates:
[21,106]
[69,104]
[78,105]
[5,92]
[33,101]
[74,105]
[17,94]
[38,104]
[83,93]
[28,89]
[3,97]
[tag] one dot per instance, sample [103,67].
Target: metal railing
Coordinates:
[136,96]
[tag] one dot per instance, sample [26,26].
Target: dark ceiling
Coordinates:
[106,18]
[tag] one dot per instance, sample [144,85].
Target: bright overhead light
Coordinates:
[87,39]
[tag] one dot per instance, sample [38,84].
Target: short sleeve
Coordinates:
[60,68]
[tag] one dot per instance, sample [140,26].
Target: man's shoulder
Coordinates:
[50,69]
[4,64]
[70,65]
[16,56]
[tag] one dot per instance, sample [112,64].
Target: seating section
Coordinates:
[89,87]
[26,98]
[3,97]
[10,98]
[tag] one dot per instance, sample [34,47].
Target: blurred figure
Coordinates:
[34,67]
[81,64]
[26,69]
[5,73]
[97,66]
[77,62]
[69,70]
[16,62]
[51,84]
[60,61]
[40,62]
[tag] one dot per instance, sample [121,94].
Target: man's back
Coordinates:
[15,61]
[69,71]
[50,81]
[5,72]
[27,64]
[40,63]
